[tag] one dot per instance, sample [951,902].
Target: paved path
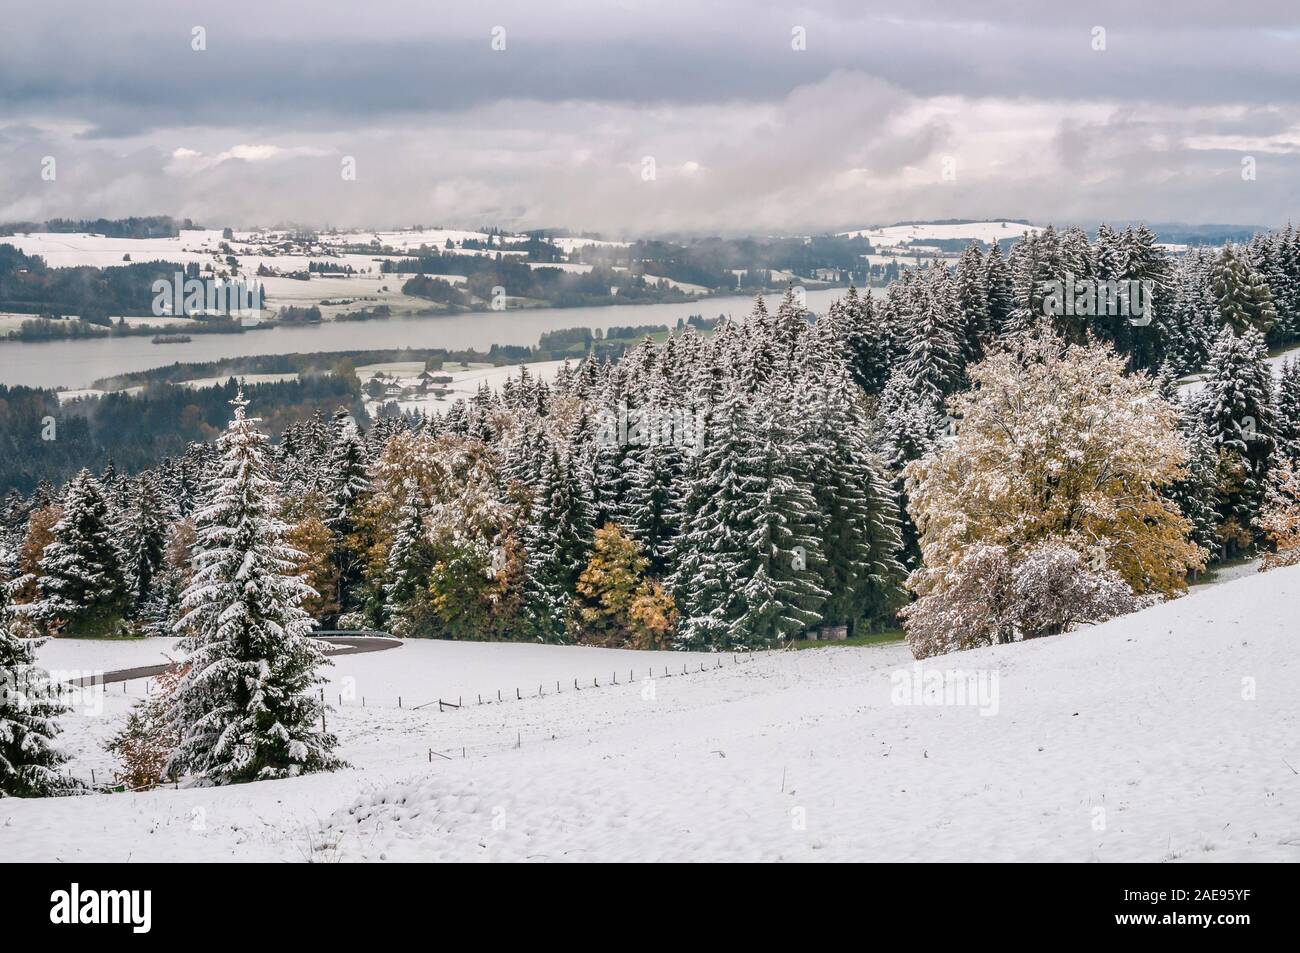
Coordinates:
[344,645]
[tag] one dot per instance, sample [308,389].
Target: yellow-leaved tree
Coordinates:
[617,605]
[1056,450]
[1280,518]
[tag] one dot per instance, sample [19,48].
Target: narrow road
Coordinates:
[357,644]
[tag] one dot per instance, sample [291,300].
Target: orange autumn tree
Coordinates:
[1280,518]
[616,603]
[40,533]
[312,540]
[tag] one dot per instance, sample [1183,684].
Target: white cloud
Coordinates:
[191,161]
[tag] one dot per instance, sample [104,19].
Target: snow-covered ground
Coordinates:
[1172,734]
[104,655]
[72,249]
[983,231]
[464,384]
[242,378]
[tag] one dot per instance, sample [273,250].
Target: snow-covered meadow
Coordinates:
[1168,735]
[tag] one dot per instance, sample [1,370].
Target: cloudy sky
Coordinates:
[747,133]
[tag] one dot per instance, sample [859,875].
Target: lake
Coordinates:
[76,364]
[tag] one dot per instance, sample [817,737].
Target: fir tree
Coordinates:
[248,708]
[860,536]
[143,535]
[932,361]
[81,578]
[1238,407]
[649,513]
[556,540]
[997,283]
[1245,301]
[1288,411]
[346,482]
[1196,493]
[748,562]
[29,762]
[973,303]
[865,339]
[406,577]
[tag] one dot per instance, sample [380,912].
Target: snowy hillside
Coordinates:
[1171,734]
[986,232]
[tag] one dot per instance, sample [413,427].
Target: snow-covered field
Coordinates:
[465,381]
[1172,734]
[71,249]
[983,231]
[104,655]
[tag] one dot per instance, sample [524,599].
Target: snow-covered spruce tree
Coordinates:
[1245,301]
[784,592]
[600,450]
[860,537]
[1145,262]
[1287,404]
[82,590]
[1194,313]
[302,455]
[248,707]
[1076,264]
[709,554]
[142,532]
[1110,255]
[10,568]
[853,325]
[1034,262]
[909,423]
[346,482]
[973,303]
[1238,407]
[1077,255]
[29,762]
[997,284]
[748,560]
[160,614]
[557,540]
[1196,493]
[650,511]
[933,345]
[406,578]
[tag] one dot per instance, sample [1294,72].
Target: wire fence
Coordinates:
[545,689]
[142,688]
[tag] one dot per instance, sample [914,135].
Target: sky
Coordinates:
[650,118]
